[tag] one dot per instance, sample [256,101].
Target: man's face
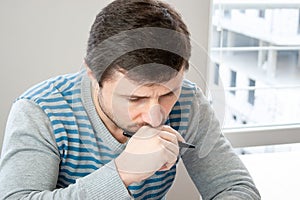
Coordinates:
[129,105]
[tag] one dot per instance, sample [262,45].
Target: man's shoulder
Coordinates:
[61,85]
[182,111]
[187,84]
[188,90]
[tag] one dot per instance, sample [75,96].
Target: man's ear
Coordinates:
[92,77]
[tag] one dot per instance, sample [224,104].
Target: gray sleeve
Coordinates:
[216,170]
[30,160]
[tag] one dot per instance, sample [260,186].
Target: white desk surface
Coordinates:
[276,175]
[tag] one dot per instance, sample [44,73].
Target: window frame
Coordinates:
[258,135]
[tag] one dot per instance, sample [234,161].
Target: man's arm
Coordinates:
[216,170]
[30,162]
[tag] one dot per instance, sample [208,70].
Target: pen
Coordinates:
[181,144]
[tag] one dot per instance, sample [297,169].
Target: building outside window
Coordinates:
[260,41]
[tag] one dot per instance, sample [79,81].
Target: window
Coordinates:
[227,13]
[232,81]
[216,73]
[260,41]
[261,13]
[251,92]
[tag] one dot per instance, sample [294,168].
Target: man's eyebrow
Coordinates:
[145,96]
[132,96]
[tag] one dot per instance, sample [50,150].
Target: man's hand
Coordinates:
[149,150]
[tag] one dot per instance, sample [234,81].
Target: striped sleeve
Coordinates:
[30,162]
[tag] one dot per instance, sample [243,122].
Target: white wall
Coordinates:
[41,39]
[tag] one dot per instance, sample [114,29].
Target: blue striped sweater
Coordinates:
[84,144]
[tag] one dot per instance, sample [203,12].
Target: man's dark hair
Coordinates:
[131,33]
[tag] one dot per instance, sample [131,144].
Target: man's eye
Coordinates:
[133,99]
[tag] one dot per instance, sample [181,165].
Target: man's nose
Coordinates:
[154,115]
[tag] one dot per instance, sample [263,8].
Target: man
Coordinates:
[66,137]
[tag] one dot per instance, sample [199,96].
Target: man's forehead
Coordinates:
[147,91]
[121,82]
[151,73]
[172,79]
[125,86]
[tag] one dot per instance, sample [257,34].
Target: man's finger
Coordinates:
[171,130]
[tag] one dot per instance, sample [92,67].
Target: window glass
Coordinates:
[256,53]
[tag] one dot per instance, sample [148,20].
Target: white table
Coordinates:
[277,175]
